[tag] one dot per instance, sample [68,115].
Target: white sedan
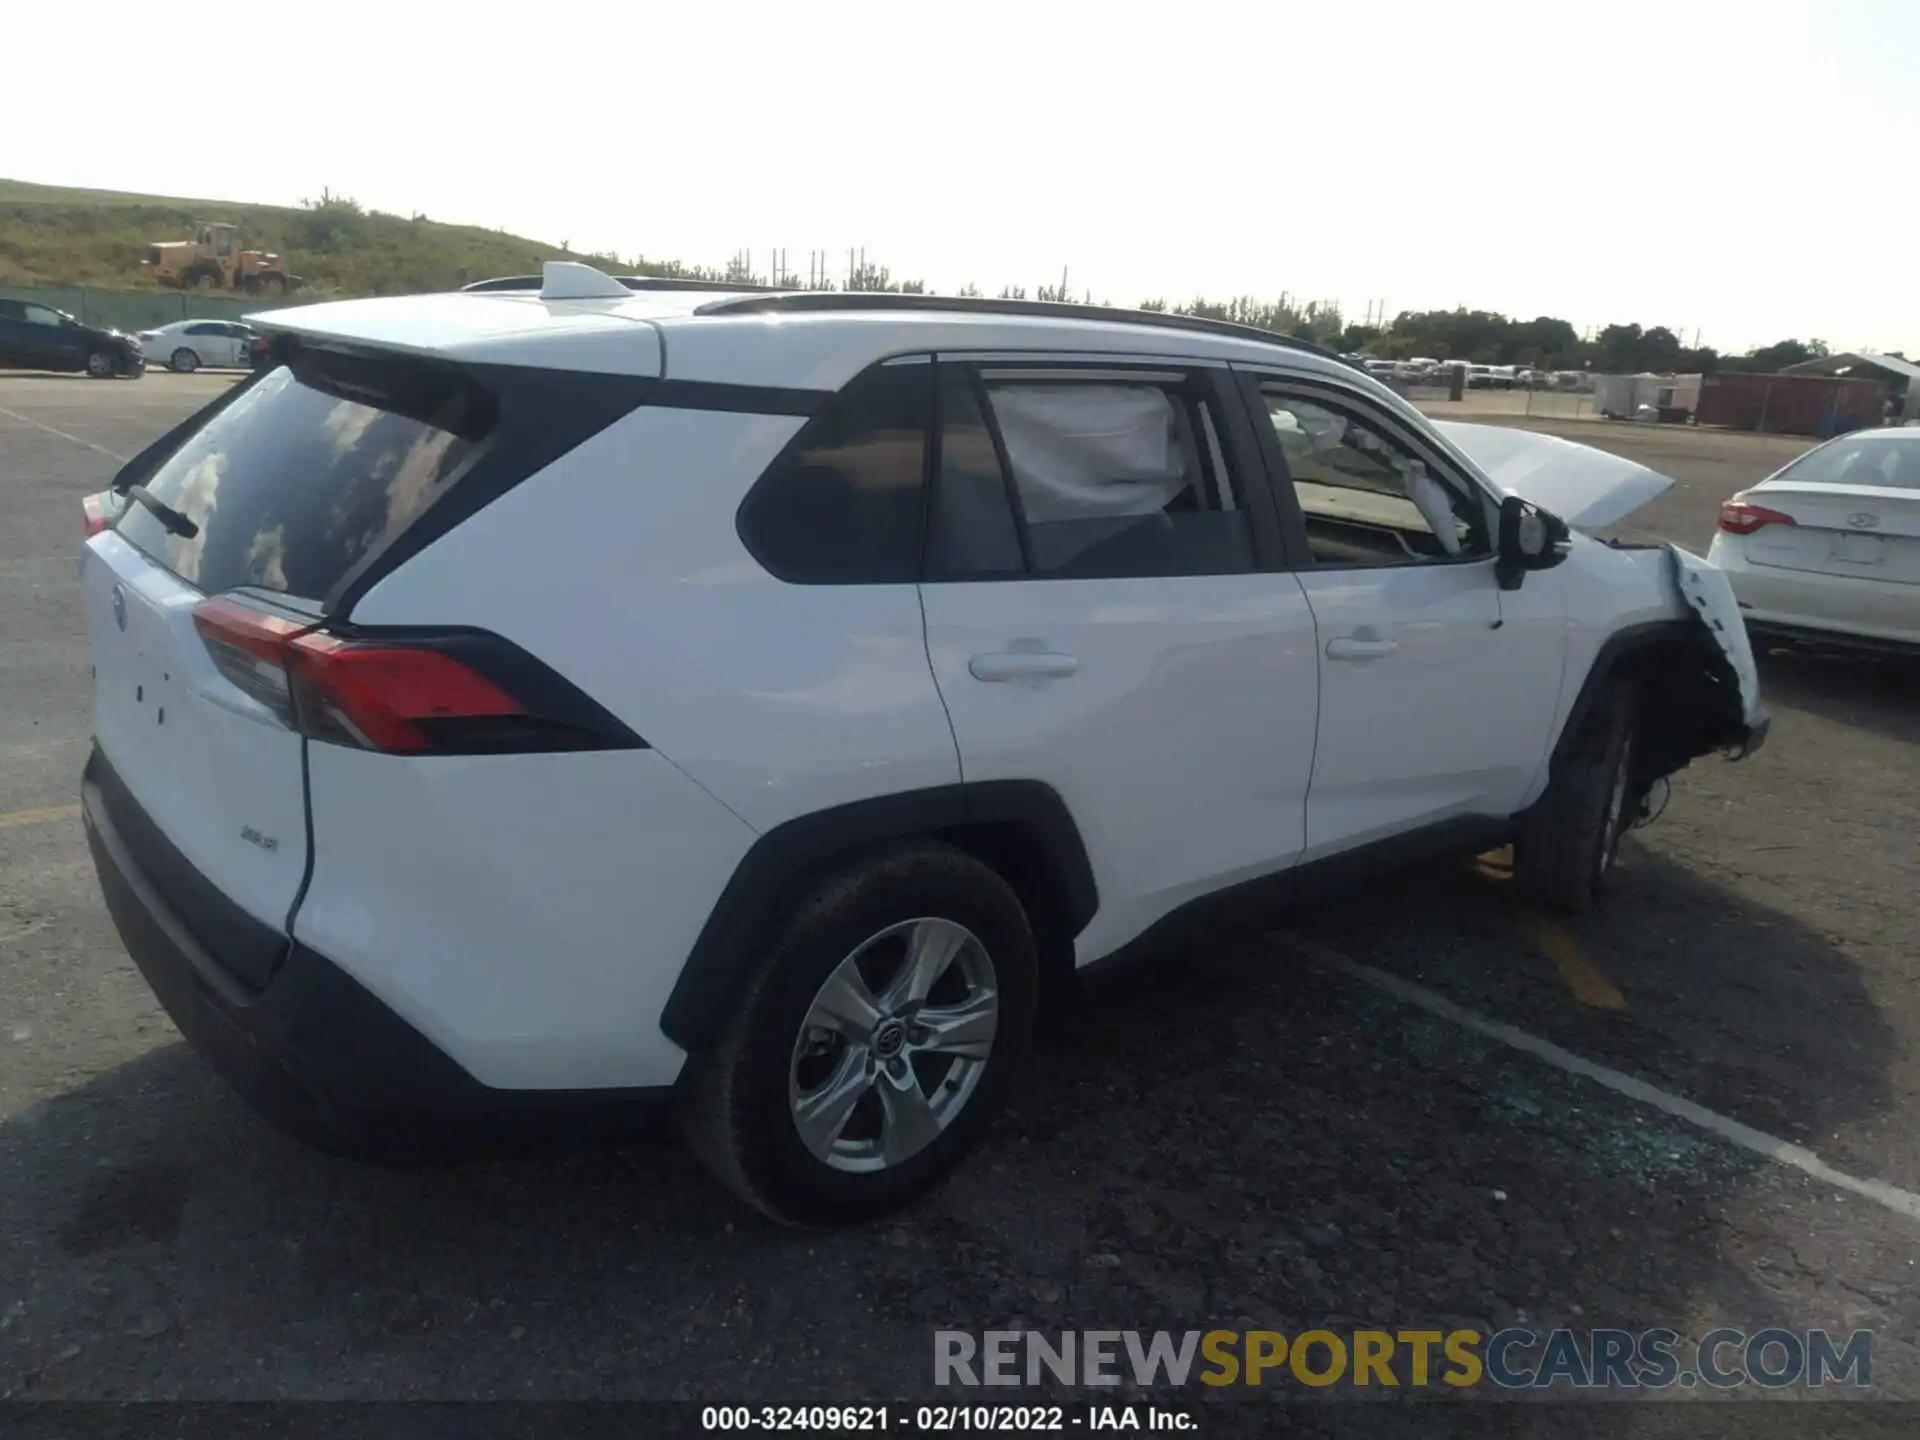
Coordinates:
[1828,548]
[186,345]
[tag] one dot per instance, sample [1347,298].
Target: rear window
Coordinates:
[313,468]
[1892,461]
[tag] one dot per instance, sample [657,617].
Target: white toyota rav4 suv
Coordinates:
[516,707]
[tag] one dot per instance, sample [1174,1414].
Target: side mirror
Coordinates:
[1530,539]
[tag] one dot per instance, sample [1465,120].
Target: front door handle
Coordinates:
[1354,647]
[1022,665]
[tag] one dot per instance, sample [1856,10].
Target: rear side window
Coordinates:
[845,502]
[314,467]
[1118,477]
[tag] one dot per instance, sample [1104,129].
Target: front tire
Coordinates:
[1569,840]
[183,361]
[875,1041]
[101,365]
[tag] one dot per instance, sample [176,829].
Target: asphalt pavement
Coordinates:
[1369,1119]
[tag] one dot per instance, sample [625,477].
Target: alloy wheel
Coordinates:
[894,1045]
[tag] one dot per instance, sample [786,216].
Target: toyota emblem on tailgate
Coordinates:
[120,606]
[1861,520]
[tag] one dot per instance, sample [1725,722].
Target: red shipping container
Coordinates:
[1820,405]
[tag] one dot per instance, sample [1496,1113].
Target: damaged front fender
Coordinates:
[1705,591]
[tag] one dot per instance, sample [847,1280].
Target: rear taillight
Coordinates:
[102,510]
[427,695]
[404,699]
[1737,517]
[254,650]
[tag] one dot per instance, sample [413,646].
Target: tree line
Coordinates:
[1549,343]
[334,224]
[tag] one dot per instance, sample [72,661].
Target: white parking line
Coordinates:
[1901,1202]
[88,444]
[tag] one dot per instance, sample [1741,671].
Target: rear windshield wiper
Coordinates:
[175,522]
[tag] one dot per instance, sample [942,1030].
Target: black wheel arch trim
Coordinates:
[772,877]
[1622,646]
[1615,648]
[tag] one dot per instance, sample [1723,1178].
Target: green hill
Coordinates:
[54,235]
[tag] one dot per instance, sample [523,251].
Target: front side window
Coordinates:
[1115,476]
[40,315]
[845,502]
[1366,497]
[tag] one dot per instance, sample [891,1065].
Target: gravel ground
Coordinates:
[1240,1137]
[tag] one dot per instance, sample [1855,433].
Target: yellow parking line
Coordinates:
[1582,979]
[14,818]
[1495,864]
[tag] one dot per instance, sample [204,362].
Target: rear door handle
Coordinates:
[1022,665]
[1352,647]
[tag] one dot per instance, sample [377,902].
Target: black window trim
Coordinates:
[1016,502]
[1293,520]
[944,376]
[1209,380]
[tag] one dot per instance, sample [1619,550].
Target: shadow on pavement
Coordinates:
[1878,693]
[1729,1003]
[1230,1139]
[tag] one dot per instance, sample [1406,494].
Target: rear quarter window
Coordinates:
[317,465]
[845,503]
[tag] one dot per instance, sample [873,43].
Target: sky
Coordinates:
[1747,171]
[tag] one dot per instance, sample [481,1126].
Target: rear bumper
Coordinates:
[1839,608]
[313,1050]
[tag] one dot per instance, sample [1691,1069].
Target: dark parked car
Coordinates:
[38,337]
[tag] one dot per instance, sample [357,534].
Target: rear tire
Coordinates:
[787,1051]
[183,361]
[1569,840]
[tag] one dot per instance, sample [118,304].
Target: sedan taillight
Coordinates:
[1738,517]
[102,510]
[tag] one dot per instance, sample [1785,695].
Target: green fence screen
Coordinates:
[141,309]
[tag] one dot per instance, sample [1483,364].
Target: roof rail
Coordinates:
[805,302]
[769,300]
[631,282]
